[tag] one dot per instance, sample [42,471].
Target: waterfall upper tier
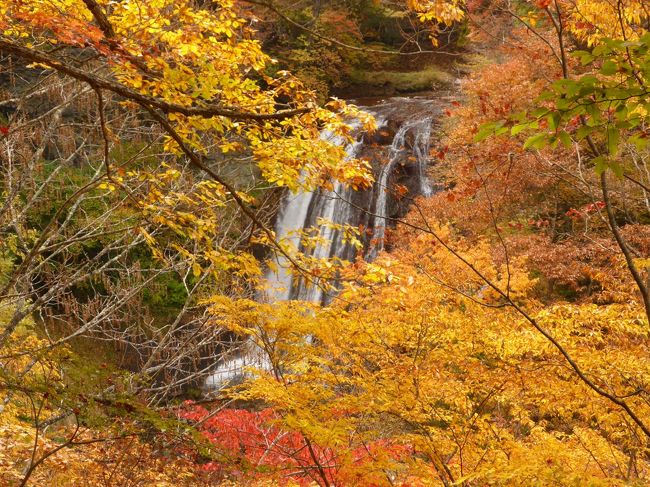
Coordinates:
[399,154]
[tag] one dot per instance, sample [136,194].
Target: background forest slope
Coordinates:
[501,338]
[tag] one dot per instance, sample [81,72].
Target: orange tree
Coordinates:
[451,344]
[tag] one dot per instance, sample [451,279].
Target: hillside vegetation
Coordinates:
[501,337]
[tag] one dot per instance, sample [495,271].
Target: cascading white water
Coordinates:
[306,209]
[291,219]
[299,210]
[234,367]
[328,204]
[421,132]
[421,148]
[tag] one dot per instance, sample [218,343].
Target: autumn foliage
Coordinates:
[254,445]
[500,339]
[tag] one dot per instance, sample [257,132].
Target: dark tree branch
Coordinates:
[100,18]
[129,94]
[622,244]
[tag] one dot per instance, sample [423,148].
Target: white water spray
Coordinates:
[304,209]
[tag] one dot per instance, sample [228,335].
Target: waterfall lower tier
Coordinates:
[305,210]
[290,221]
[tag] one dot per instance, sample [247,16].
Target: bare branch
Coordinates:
[129,94]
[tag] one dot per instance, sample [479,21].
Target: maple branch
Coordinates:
[534,32]
[34,464]
[36,413]
[583,377]
[130,94]
[637,182]
[319,466]
[622,244]
[150,104]
[509,300]
[104,130]
[495,224]
[619,15]
[455,289]
[198,163]
[70,442]
[559,27]
[100,18]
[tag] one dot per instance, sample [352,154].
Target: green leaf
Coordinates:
[573,89]
[586,90]
[588,80]
[487,129]
[621,112]
[553,120]
[616,168]
[583,132]
[565,139]
[634,121]
[519,128]
[594,113]
[585,57]
[520,117]
[536,141]
[640,141]
[600,164]
[609,68]
[541,112]
[599,50]
[613,138]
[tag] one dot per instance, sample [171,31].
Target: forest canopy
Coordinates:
[257,242]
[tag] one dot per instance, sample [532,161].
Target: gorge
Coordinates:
[399,154]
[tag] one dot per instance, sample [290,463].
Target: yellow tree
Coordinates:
[430,370]
[190,71]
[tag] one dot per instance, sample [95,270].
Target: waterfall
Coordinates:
[421,132]
[299,211]
[421,148]
[291,219]
[305,209]
[330,207]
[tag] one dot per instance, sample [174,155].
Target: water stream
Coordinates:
[402,154]
[303,210]
[421,133]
